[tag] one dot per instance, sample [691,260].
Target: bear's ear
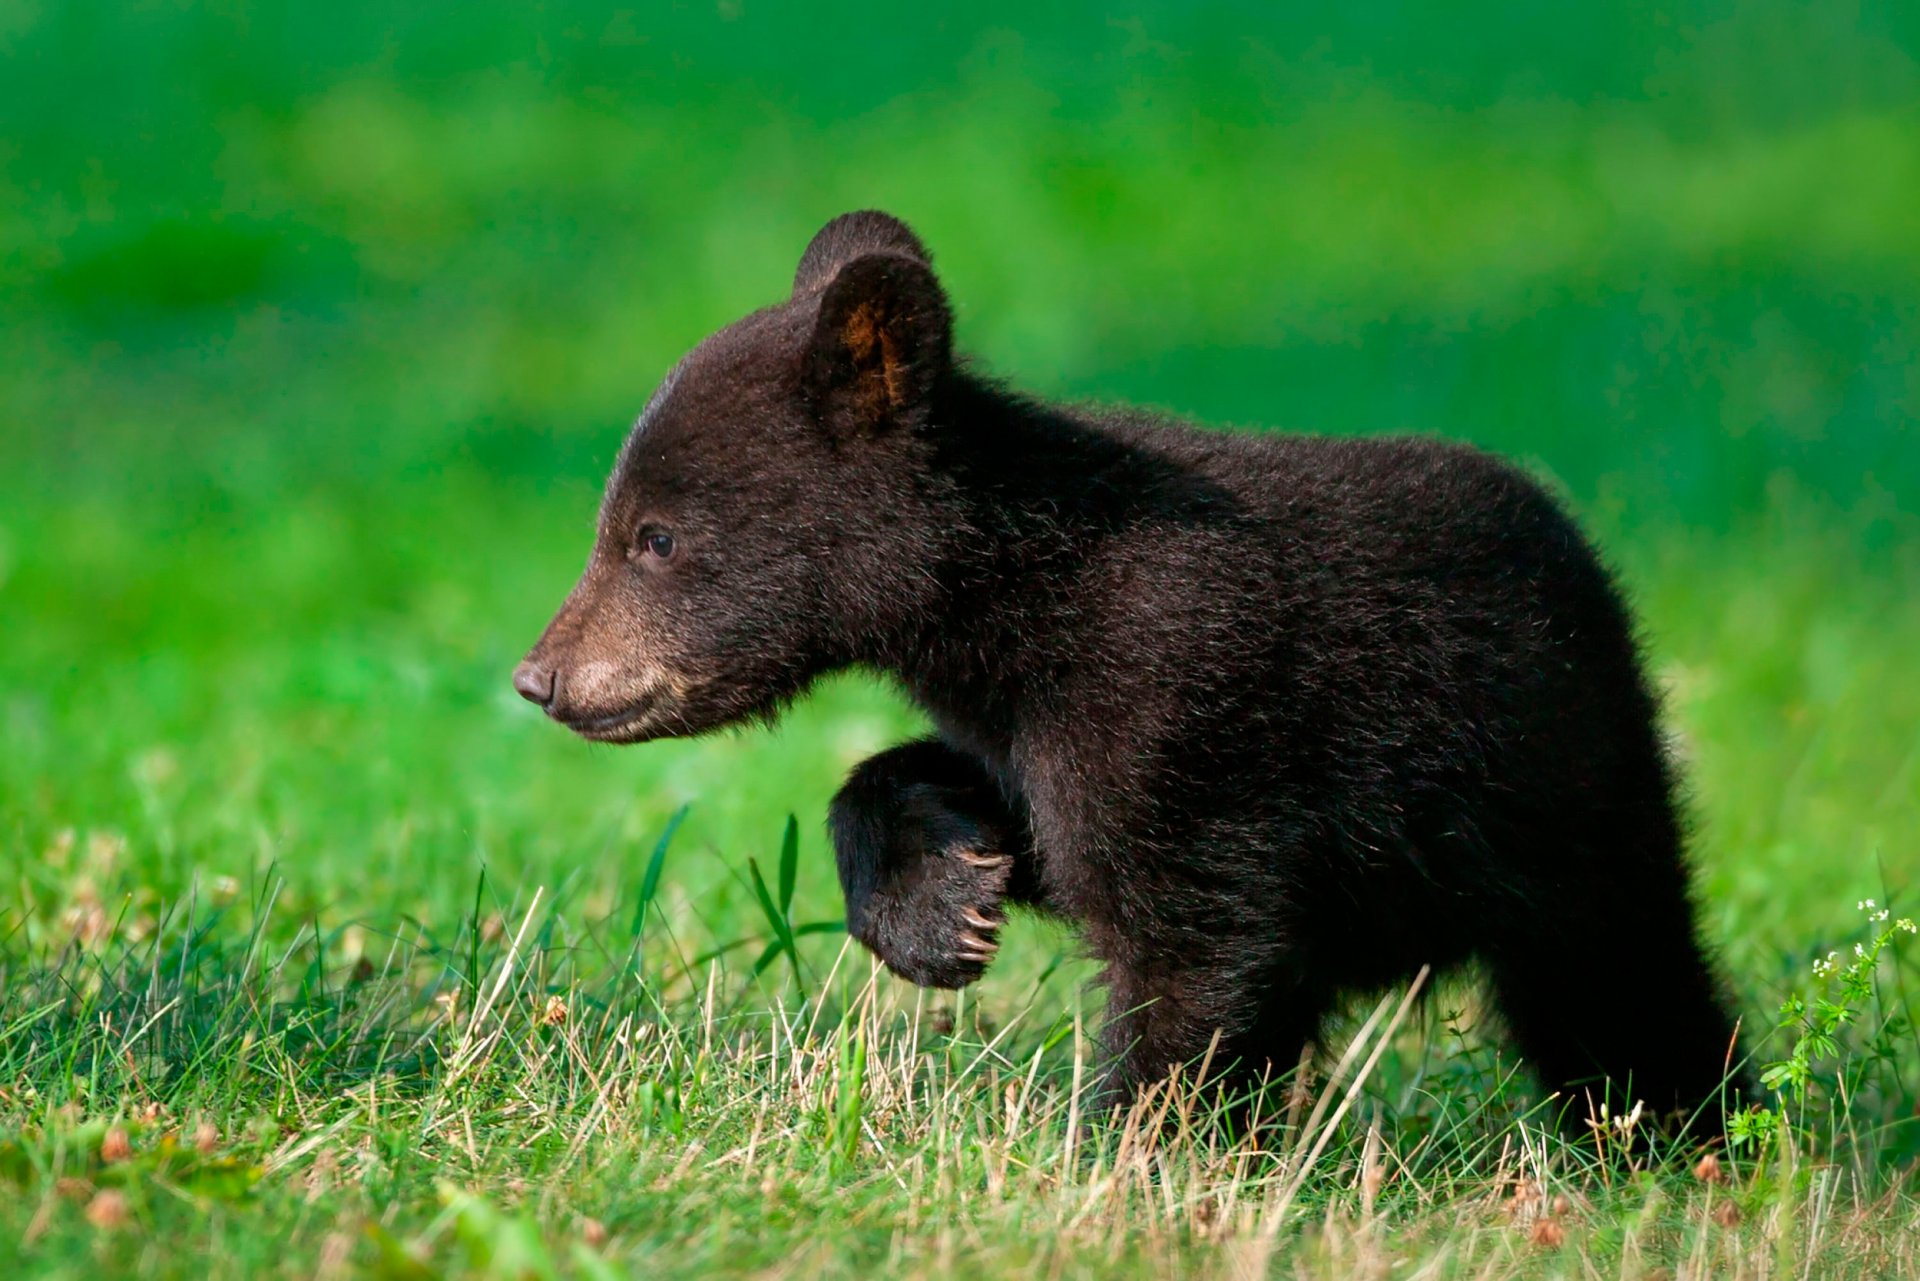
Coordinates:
[881,343]
[851,236]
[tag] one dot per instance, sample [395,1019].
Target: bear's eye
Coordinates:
[658,545]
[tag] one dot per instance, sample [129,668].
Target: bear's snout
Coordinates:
[606,700]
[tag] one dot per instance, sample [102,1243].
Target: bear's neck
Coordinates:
[1026,495]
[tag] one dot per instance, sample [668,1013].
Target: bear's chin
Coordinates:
[652,719]
[640,721]
[623,735]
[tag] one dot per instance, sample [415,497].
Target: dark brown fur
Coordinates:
[1269,717]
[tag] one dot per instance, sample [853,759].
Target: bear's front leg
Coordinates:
[929,852]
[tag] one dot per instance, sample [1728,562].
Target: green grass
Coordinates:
[318,328]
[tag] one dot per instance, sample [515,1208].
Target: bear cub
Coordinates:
[1270,718]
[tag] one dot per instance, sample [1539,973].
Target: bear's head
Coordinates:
[772,509]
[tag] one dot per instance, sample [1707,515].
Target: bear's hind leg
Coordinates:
[1167,1014]
[1617,1004]
[928,852]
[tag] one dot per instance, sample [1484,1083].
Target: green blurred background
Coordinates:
[319,325]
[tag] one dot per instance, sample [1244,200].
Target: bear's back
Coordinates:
[1367,514]
[1421,596]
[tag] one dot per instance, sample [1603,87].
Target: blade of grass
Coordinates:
[650,882]
[789,865]
[776,920]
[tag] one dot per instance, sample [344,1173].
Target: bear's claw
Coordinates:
[977,944]
[943,928]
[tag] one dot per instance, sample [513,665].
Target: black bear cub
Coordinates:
[1269,717]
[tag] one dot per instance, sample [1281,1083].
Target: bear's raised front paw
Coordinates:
[941,927]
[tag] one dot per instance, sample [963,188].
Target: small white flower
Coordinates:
[1860,950]
[1865,905]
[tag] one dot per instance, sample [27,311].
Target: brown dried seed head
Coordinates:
[104,849]
[554,1012]
[56,853]
[592,1231]
[116,1146]
[1547,1234]
[156,766]
[1709,1171]
[336,1253]
[1727,1214]
[205,1138]
[1561,1205]
[87,922]
[107,1210]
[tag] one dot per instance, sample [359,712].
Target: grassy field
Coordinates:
[320,953]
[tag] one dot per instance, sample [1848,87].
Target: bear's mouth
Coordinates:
[624,726]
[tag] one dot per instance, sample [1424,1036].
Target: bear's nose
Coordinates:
[534,683]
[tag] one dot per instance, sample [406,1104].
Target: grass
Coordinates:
[322,954]
[528,1093]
